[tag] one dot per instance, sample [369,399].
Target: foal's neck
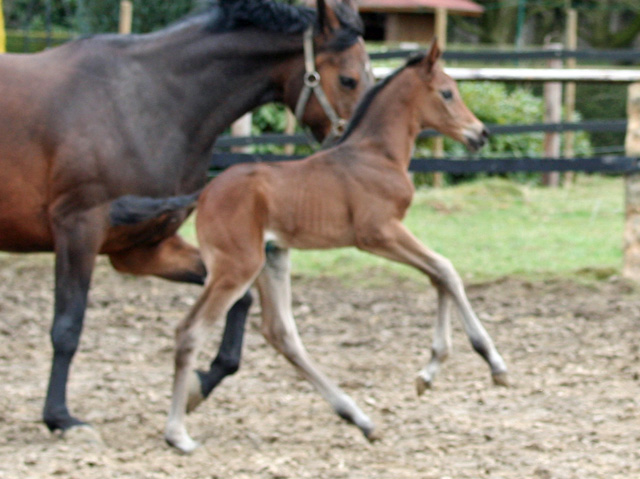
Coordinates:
[391,124]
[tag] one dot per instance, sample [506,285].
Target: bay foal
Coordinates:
[354,194]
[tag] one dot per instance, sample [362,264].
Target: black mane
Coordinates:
[367,99]
[228,15]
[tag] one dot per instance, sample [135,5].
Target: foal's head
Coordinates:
[441,106]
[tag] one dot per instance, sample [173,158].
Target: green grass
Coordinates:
[494,228]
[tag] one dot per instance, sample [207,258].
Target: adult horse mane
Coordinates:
[96,132]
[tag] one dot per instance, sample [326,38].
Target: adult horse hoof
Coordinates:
[422,384]
[501,379]
[195,392]
[82,434]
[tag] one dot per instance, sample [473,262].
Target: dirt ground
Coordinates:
[572,412]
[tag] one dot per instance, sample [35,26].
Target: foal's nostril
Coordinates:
[485,133]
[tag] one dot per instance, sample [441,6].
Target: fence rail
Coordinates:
[608,126]
[605,164]
[609,56]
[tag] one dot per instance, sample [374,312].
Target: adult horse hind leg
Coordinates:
[77,240]
[400,245]
[279,328]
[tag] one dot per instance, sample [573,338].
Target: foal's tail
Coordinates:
[132,209]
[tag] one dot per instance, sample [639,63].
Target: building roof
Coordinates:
[464,7]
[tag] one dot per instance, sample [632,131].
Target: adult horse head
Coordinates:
[109,123]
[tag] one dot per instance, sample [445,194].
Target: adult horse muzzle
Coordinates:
[312,85]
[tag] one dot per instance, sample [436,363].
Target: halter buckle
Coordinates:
[312,79]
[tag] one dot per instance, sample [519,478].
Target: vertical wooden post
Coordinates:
[570,91]
[289,129]
[438,141]
[241,127]
[631,266]
[552,114]
[3,35]
[126,17]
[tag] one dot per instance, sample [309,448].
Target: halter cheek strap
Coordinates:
[312,85]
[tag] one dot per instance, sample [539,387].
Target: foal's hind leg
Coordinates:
[279,328]
[176,260]
[218,296]
[400,245]
[227,361]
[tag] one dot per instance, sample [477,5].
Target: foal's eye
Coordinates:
[447,94]
[348,82]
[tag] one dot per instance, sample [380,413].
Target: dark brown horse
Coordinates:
[354,194]
[89,128]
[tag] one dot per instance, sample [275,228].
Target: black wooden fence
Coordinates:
[607,163]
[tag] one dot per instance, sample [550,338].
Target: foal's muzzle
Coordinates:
[476,140]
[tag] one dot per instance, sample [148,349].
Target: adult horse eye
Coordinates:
[447,94]
[348,82]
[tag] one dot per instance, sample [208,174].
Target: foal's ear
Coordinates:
[434,54]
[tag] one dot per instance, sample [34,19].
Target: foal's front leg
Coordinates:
[400,245]
[279,328]
[441,346]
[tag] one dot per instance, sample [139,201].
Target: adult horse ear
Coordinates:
[351,4]
[327,19]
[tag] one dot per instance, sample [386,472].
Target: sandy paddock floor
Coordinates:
[573,411]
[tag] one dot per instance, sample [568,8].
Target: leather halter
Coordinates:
[312,85]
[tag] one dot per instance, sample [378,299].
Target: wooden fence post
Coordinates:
[290,129]
[241,127]
[438,141]
[126,17]
[631,267]
[570,92]
[552,114]
[3,35]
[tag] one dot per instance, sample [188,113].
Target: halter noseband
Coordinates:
[312,84]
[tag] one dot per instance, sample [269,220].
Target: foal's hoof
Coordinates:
[185,445]
[422,384]
[81,435]
[373,436]
[501,379]
[195,392]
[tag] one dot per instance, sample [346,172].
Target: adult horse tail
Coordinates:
[133,209]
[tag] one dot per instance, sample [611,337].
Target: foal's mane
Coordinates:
[269,15]
[368,98]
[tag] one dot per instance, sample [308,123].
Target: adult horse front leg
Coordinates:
[176,260]
[398,244]
[77,243]
[279,328]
